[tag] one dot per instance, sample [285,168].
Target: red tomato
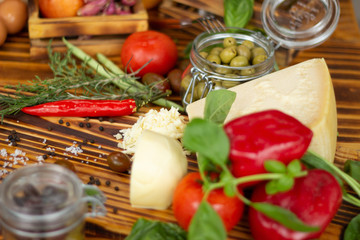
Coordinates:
[153,48]
[188,195]
[60,8]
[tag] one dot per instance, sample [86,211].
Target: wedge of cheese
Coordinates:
[304,91]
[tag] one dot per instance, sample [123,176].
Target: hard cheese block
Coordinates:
[304,91]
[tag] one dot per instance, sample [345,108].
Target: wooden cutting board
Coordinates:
[341,52]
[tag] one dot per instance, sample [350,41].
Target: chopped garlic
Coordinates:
[167,122]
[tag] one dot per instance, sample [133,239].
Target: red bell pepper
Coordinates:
[83,108]
[314,199]
[266,135]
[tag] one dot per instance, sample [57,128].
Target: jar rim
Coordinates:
[300,39]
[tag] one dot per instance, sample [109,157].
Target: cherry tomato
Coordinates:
[156,50]
[60,8]
[188,195]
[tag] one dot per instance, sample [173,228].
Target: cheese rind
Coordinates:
[304,91]
[159,164]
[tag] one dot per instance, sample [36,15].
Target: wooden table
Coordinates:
[341,52]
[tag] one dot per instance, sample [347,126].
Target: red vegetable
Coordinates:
[187,198]
[267,135]
[83,108]
[153,48]
[314,198]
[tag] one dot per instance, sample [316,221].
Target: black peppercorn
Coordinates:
[67,124]
[81,124]
[88,125]
[61,121]
[116,188]
[101,128]
[107,183]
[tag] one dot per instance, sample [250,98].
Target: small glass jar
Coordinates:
[46,202]
[299,24]
[289,24]
[205,76]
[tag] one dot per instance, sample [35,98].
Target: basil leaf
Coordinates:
[206,224]
[155,230]
[208,139]
[237,13]
[271,188]
[352,231]
[275,166]
[284,217]
[285,183]
[294,167]
[218,104]
[352,168]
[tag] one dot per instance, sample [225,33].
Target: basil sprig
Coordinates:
[237,13]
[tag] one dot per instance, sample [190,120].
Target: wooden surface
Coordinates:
[341,52]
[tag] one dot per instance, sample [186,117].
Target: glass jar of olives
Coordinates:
[46,202]
[226,59]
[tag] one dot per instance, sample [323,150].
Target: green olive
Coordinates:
[118,161]
[223,70]
[257,51]
[259,59]
[204,54]
[228,54]
[199,90]
[229,84]
[247,72]
[229,41]
[243,50]
[185,82]
[214,58]
[249,44]
[216,50]
[239,61]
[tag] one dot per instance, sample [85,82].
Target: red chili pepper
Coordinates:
[83,108]
[266,135]
[314,199]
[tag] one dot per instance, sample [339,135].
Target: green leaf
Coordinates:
[352,168]
[352,231]
[271,187]
[237,13]
[282,184]
[155,230]
[285,183]
[218,104]
[294,167]
[275,166]
[208,139]
[206,224]
[284,217]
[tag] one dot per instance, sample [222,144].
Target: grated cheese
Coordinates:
[166,122]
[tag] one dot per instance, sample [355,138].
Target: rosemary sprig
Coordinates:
[72,80]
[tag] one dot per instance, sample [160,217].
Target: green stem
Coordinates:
[242,198]
[351,199]
[348,179]
[116,70]
[117,81]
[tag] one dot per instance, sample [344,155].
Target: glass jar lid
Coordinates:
[300,24]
